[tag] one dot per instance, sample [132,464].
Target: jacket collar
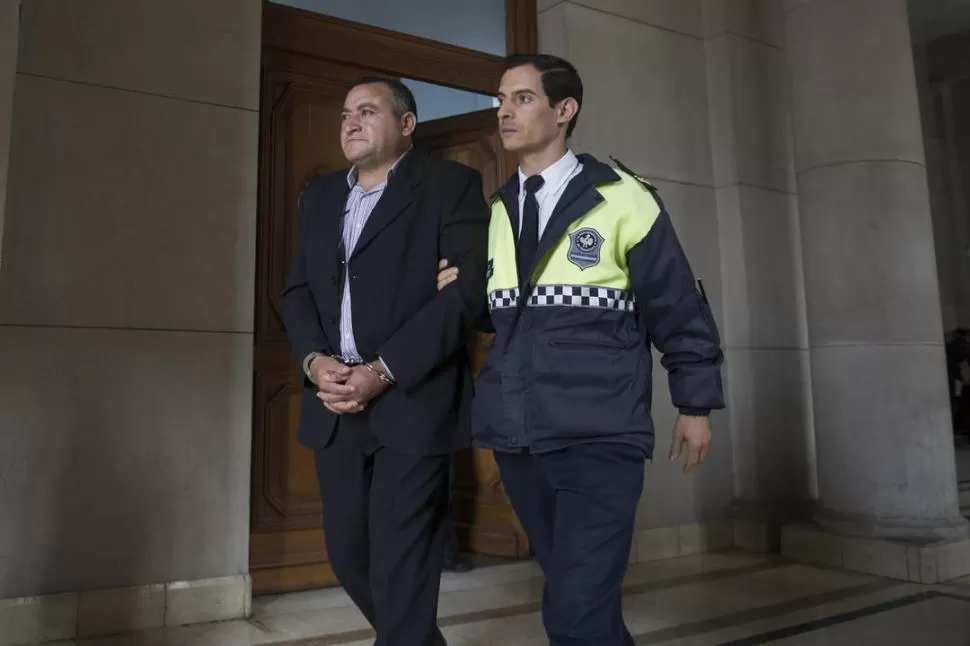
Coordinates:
[595,173]
[352,173]
[580,197]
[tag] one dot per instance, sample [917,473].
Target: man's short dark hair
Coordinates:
[560,80]
[402,100]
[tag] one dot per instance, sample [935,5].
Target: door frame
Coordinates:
[389,52]
[289,32]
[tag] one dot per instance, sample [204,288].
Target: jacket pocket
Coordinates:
[590,388]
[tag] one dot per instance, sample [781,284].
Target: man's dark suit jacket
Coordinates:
[431,209]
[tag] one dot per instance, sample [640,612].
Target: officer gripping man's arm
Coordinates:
[679,323]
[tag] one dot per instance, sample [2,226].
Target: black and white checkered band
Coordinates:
[503,298]
[567,296]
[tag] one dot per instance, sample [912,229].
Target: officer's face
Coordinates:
[370,134]
[526,120]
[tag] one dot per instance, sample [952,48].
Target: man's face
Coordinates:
[526,120]
[370,134]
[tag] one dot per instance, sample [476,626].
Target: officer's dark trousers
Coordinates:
[578,506]
[382,513]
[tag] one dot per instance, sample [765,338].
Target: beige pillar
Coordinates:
[127,289]
[882,422]
[764,330]
[9,28]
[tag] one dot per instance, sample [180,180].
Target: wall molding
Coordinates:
[674,541]
[113,611]
[905,561]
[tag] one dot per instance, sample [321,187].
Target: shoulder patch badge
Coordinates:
[584,247]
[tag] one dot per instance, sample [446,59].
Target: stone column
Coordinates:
[883,433]
[764,327]
[127,288]
[9,28]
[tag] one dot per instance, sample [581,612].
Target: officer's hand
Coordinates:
[695,432]
[446,275]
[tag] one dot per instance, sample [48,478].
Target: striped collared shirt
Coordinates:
[360,205]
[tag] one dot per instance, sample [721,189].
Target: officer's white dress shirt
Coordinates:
[555,180]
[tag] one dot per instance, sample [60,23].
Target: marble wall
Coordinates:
[126,294]
[760,236]
[694,95]
[9,31]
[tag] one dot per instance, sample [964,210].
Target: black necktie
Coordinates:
[529,236]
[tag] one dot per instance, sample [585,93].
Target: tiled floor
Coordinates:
[706,600]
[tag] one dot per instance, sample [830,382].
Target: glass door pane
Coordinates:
[438,101]
[473,24]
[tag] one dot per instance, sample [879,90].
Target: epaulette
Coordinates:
[647,185]
[650,187]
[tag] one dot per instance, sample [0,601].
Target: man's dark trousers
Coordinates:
[382,514]
[578,506]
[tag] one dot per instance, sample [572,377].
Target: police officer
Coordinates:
[584,273]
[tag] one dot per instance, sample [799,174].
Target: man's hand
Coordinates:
[695,432]
[367,386]
[446,275]
[330,377]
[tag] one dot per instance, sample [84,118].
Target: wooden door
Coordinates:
[300,113]
[308,64]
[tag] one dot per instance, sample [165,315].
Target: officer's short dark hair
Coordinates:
[402,100]
[560,80]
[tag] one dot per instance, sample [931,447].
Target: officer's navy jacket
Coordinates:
[571,358]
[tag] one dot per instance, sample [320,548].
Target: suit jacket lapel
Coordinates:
[332,227]
[336,199]
[398,195]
